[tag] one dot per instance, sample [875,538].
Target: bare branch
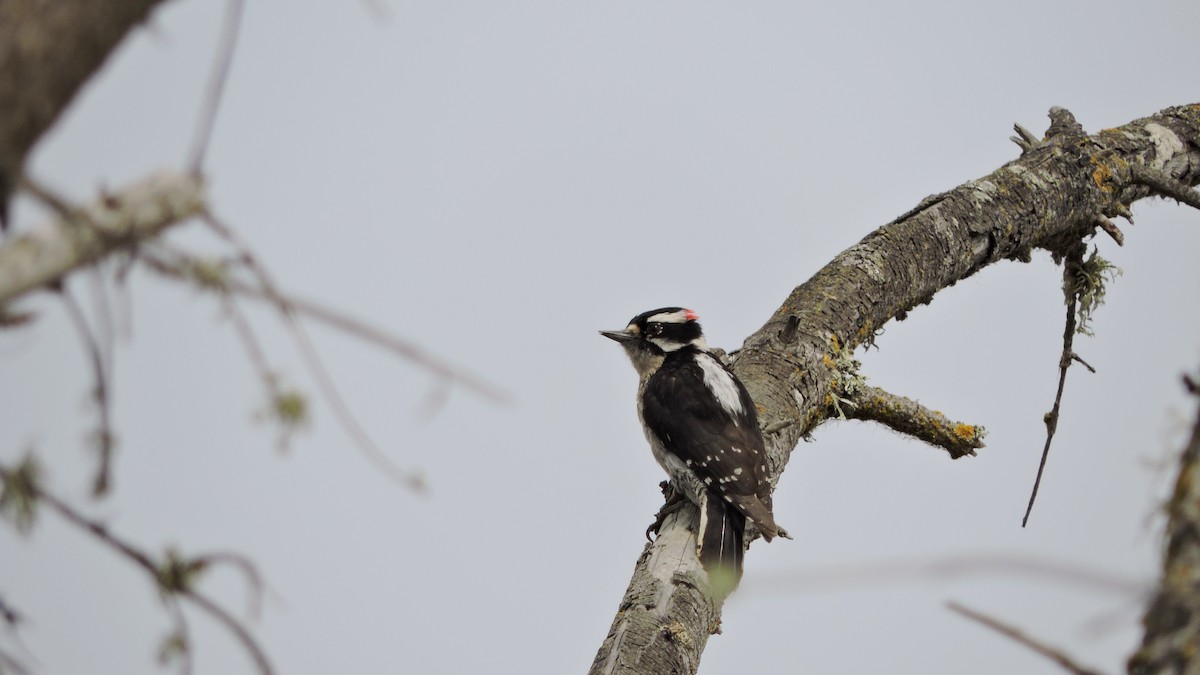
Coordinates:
[103,437]
[173,577]
[177,646]
[10,663]
[9,615]
[216,84]
[254,580]
[225,618]
[138,212]
[315,365]
[1056,655]
[179,265]
[1046,199]
[1073,261]
[901,570]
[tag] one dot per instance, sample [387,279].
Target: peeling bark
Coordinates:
[1056,193]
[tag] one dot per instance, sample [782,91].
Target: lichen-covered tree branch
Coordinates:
[1062,189]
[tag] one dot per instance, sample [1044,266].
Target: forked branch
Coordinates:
[1046,199]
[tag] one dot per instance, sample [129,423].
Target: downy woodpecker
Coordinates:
[703,430]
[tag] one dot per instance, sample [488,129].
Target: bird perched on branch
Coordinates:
[703,430]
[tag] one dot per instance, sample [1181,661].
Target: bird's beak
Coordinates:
[619,335]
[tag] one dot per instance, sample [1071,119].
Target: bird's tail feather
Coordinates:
[720,542]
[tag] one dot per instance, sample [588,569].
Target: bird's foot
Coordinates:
[674,501]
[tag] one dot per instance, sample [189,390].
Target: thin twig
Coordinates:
[143,560]
[47,196]
[178,267]
[248,642]
[216,83]
[105,330]
[1078,359]
[1053,654]
[254,350]
[1070,264]
[315,365]
[342,411]
[254,581]
[104,435]
[12,619]
[285,408]
[179,642]
[850,575]
[10,663]
[9,615]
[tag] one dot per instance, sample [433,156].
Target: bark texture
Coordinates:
[1171,644]
[48,50]
[1060,190]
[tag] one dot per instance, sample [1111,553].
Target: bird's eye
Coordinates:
[654,330]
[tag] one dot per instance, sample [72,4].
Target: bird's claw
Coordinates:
[674,501]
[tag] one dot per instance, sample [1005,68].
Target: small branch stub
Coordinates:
[913,419]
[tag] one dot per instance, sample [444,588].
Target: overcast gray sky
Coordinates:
[498,181]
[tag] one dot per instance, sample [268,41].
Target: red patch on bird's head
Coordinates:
[691,316]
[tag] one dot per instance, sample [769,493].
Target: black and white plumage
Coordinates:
[703,430]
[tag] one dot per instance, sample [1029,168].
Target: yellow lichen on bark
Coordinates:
[1102,175]
[967,432]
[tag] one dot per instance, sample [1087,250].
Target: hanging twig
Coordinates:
[103,437]
[1070,290]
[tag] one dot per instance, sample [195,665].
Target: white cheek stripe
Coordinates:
[666,345]
[721,384]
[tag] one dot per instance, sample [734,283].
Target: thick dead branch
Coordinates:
[1047,199]
[913,419]
[117,220]
[1172,621]
[38,77]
